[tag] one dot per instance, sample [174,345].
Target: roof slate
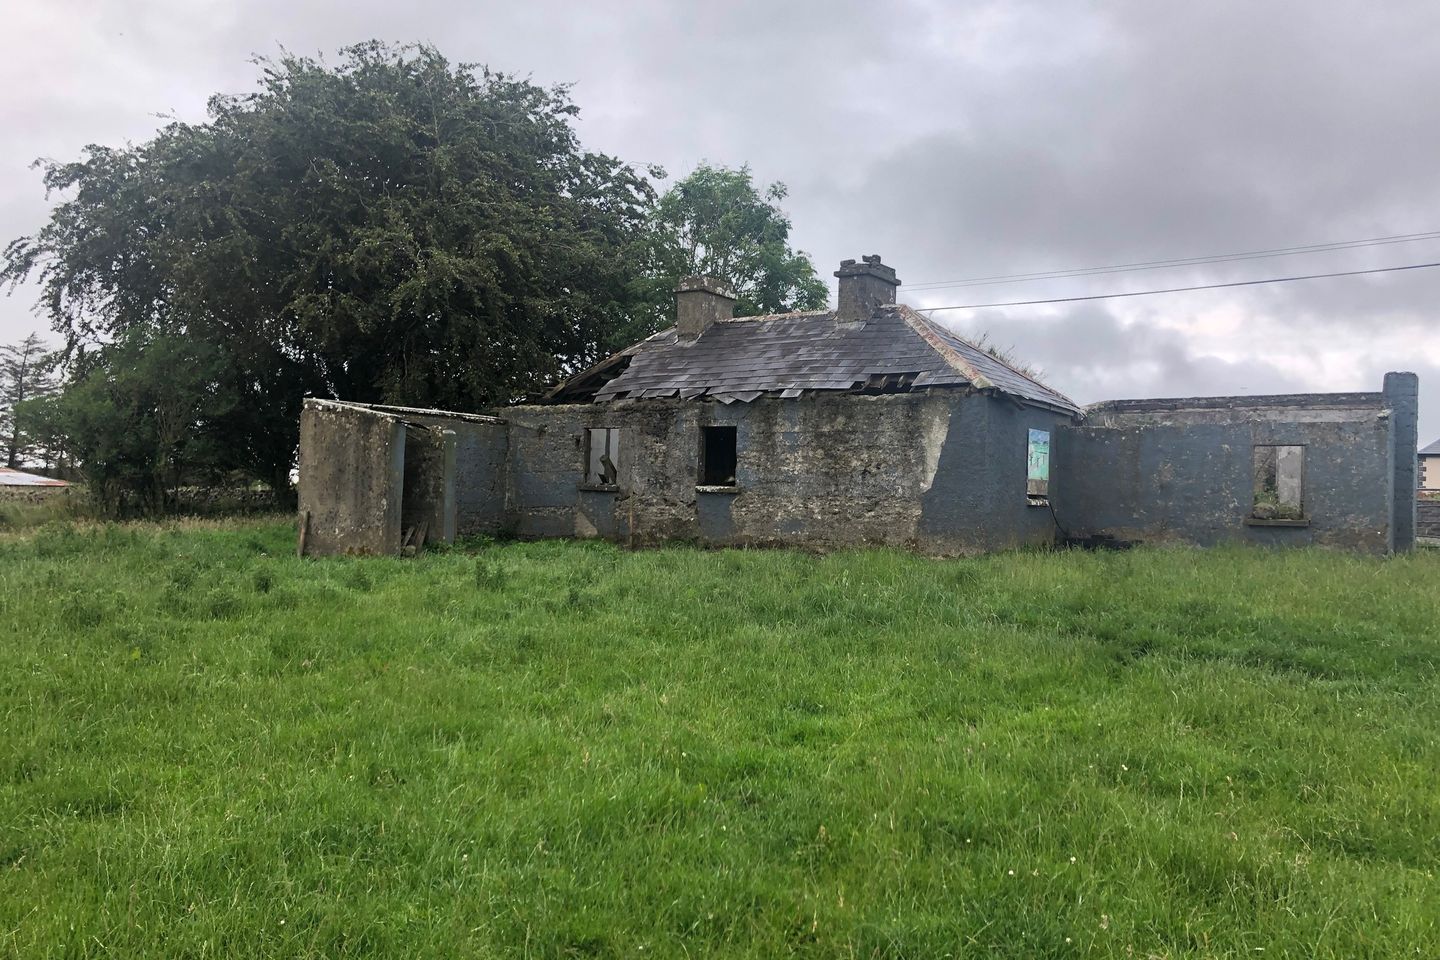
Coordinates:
[1431,451]
[788,354]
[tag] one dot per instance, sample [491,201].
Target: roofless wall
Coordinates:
[1325,469]
[378,479]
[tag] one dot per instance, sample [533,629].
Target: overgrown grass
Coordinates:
[213,749]
[18,516]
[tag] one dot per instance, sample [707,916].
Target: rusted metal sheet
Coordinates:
[19,478]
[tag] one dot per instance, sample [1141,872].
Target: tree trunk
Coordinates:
[280,485]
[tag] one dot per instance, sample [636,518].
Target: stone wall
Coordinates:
[206,501]
[1427,519]
[479,470]
[352,463]
[1182,471]
[33,494]
[945,473]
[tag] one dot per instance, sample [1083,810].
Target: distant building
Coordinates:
[1430,467]
[31,487]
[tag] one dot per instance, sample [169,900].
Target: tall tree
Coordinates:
[393,228]
[140,415]
[27,372]
[717,222]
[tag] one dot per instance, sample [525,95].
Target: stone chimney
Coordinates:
[863,287]
[699,302]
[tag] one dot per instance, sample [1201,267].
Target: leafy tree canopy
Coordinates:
[716,222]
[394,228]
[142,412]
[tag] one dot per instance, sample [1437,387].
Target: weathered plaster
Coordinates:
[1187,475]
[943,472]
[352,464]
[816,470]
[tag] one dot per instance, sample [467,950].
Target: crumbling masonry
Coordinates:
[864,425]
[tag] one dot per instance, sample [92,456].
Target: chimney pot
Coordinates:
[700,302]
[864,287]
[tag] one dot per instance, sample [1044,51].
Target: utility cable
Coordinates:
[1202,286]
[1179,261]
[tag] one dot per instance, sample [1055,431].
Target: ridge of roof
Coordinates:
[927,331]
[600,365]
[981,380]
[791,315]
[945,331]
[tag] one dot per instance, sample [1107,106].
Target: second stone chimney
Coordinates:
[863,287]
[699,302]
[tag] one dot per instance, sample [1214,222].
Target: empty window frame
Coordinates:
[1037,465]
[602,456]
[1279,482]
[717,456]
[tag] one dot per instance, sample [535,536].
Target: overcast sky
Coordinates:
[958,140]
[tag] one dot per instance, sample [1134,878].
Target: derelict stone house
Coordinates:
[866,424]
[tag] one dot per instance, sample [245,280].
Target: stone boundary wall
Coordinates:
[29,494]
[221,500]
[1427,518]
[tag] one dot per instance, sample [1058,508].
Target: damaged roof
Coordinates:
[788,354]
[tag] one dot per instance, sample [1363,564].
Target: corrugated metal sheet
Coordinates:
[18,478]
[790,354]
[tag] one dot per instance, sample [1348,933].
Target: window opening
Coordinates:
[602,454]
[1279,482]
[1037,468]
[717,456]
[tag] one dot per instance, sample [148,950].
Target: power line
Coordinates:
[1203,286]
[1179,261]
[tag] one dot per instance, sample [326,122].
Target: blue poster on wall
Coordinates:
[1037,473]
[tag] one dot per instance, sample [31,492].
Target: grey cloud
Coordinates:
[955,139]
[1095,355]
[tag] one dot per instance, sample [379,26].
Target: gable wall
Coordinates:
[978,500]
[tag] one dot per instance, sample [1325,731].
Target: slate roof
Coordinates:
[1431,451]
[794,353]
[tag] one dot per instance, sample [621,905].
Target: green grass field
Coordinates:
[209,748]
